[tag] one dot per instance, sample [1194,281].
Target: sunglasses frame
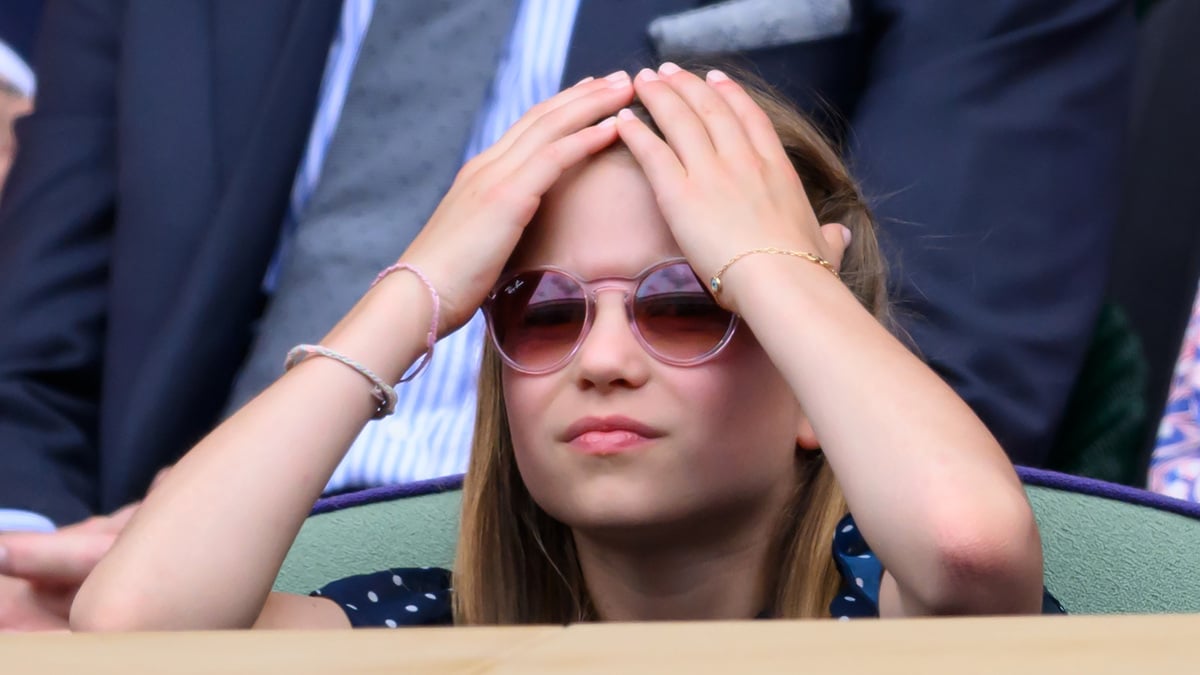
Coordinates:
[590,288]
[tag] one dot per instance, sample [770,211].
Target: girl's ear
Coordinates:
[806,438]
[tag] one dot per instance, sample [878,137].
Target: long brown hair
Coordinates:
[516,564]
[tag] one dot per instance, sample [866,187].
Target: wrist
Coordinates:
[388,329]
[762,281]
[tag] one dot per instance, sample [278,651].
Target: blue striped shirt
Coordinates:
[430,433]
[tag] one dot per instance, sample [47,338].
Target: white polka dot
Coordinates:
[849,598]
[431,596]
[848,528]
[397,580]
[843,618]
[859,582]
[390,623]
[865,555]
[372,596]
[351,606]
[410,608]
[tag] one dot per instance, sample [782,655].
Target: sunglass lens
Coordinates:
[677,317]
[537,318]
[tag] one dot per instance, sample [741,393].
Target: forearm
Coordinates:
[205,547]
[927,483]
[287,611]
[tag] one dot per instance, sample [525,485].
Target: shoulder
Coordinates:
[406,596]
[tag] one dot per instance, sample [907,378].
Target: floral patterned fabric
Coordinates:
[1175,464]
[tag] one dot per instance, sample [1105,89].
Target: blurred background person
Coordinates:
[18,29]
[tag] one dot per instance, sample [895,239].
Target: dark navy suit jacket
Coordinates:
[19,25]
[152,180]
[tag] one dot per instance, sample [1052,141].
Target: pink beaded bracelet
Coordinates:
[433,322]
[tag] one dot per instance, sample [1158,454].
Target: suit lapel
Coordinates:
[268,58]
[248,44]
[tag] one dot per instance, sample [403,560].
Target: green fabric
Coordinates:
[411,532]
[1101,556]
[1105,557]
[1104,425]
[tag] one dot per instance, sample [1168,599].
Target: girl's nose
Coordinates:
[611,355]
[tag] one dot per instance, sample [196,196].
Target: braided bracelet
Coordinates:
[715,282]
[431,339]
[382,391]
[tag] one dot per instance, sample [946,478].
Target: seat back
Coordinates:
[413,525]
[1114,549]
[1108,548]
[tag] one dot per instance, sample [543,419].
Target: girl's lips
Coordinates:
[608,442]
[608,435]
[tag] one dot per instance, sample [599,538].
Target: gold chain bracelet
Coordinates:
[715,282]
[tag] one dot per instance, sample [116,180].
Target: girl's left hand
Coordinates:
[723,180]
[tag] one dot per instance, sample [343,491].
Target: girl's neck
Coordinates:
[721,570]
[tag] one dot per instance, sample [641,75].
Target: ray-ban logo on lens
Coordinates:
[512,288]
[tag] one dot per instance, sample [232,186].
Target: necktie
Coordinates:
[422,74]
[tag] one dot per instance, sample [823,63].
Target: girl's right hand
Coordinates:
[473,231]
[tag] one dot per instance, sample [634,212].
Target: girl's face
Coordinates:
[716,441]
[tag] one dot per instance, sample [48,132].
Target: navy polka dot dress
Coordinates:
[421,596]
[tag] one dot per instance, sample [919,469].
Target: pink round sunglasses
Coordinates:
[538,318]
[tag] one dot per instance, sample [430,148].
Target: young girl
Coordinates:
[689,385]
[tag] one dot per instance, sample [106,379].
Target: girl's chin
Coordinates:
[629,521]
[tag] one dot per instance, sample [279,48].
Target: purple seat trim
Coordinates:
[1105,490]
[1029,476]
[387,493]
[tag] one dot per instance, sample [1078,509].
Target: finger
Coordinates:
[837,239]
[23,607]
[680,126]
[112,524]
[542,170]
[158,478]
[755,123]
[118,520]
[617,79]
[722,124]
[658,161]
[58,558]
[617,82]
[567,119]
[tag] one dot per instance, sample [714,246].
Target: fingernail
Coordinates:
[625,114]
[608,122]
[847,235]
[647,75]
[716,76]
[585,80]
[617,77]
[668,68]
